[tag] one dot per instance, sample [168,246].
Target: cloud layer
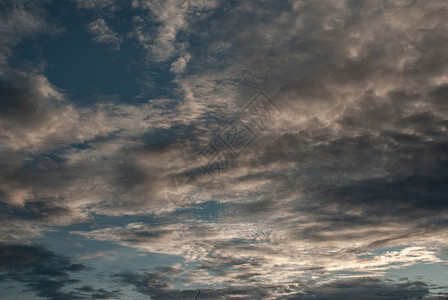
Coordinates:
[345,187]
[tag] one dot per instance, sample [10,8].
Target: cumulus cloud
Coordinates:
[180,64]
[33,111]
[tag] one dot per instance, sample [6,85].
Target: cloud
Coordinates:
[171,15]
[345,124]
[33,111]
[101,5]
[355,164]
[63,144]
[19,20]
[255,254]
[157,286]
[366,288]
[174,17]
[149,284]
[91,293]
[180,64]
[102,254]
[103,34]
[41,270]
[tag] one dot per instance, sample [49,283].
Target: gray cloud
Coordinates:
[99,5]
[41,270]
[157,286]
[366,288]
[21,19]
[102,33]
[91,293]
[174,17]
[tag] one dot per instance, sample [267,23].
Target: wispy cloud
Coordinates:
[174,16]
[106,5]
[102,33]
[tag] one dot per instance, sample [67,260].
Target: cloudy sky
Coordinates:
[220,149]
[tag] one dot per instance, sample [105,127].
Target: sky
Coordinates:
[221,149]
